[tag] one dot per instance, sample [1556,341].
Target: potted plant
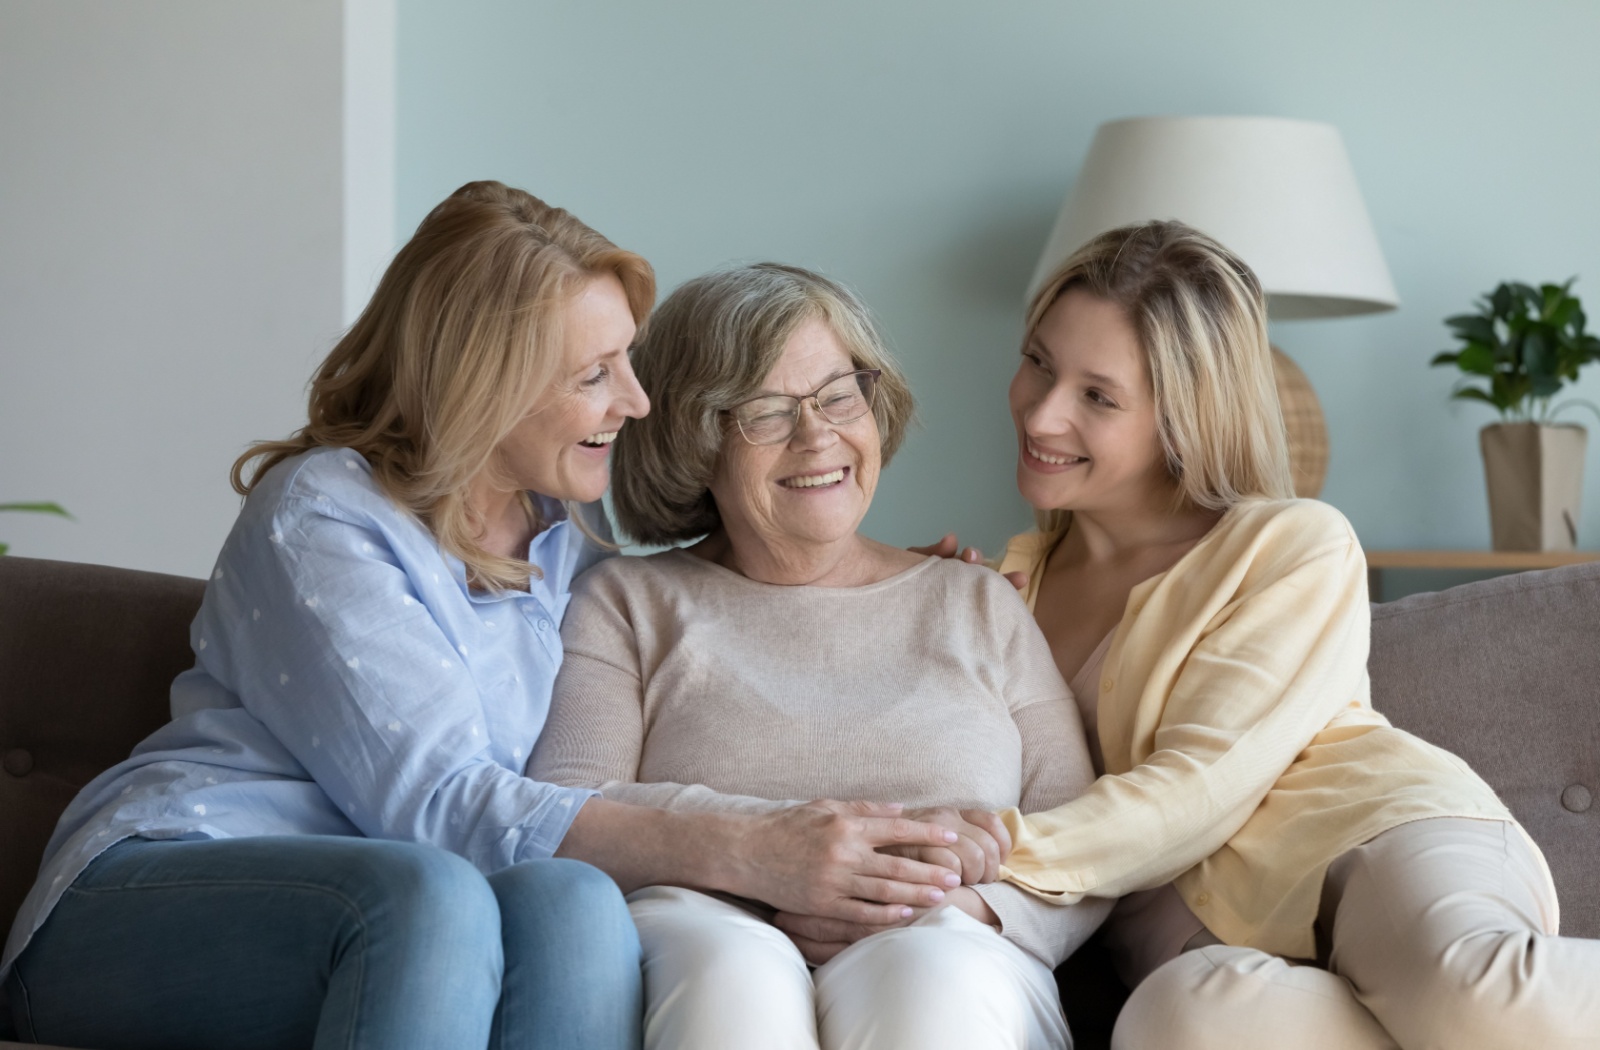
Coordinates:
[36,508]
[1517,352]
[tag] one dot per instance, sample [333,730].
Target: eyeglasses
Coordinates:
[771,418]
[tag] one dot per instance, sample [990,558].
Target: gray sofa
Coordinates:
[1505,673]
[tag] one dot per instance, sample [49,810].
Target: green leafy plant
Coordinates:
[33,508]
[1526,343]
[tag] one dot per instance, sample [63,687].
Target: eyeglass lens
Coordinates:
[768,420]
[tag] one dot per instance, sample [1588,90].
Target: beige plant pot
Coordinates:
[1535,476]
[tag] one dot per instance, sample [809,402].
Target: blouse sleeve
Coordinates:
[334,652]
[1275,667]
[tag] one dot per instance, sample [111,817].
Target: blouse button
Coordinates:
[544,625]
[1106,685]
[1202,899]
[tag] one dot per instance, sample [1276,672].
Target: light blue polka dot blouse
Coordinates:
[346,682]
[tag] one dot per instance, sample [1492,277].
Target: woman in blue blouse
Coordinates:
[333,843]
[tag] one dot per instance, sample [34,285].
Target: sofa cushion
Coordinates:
[87,656]
[1506,674]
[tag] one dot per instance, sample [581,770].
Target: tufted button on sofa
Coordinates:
[17,762]
[1504,673]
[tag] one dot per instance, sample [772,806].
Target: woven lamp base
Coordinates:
[1308,431]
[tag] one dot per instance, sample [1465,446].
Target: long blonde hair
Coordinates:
[461,339]
[1201,319]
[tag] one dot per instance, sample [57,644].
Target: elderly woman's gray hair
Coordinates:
[708,347]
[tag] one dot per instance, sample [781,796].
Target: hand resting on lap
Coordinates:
[981,846]
[820,939]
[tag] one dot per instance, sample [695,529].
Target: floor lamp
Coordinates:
[1280,193]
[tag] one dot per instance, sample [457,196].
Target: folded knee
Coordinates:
[1169,1009]
[423,892]
[1229,998]
[558,884]
[940,986]
[1490,990]
[923,957]
[565,902]
[747,959]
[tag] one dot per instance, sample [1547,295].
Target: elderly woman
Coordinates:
[332,843]
[786,655]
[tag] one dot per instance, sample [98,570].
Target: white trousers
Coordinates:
[1440,935]
[716,976]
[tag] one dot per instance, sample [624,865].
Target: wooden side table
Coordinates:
[1474,561]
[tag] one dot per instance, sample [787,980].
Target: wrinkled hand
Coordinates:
[824,859]
[947,547]
[982,845]
[820,939]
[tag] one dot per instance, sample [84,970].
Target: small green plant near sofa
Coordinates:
[1517,351]
[33,508]
[1527,342]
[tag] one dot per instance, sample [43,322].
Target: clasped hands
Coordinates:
[864,867]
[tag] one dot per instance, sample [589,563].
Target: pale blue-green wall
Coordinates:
[919,149]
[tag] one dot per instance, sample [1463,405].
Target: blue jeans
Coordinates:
[323,942]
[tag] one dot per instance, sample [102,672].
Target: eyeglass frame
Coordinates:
[799,404]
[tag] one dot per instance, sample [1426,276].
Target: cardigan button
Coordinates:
[1576,798]
[18,763]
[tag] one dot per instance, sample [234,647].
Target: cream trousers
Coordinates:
[716,976]
[1440,934]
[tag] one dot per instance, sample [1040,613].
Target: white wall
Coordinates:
[369,148]
[173,253]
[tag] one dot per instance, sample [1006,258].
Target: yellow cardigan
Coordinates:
[1242,752]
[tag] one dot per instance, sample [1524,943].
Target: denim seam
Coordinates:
[216,884]
[31,1035]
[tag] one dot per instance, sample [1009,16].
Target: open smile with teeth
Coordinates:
[599,440]
[814,481]
[1055,461]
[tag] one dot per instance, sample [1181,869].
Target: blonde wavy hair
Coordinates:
[461,338]
[1201,319]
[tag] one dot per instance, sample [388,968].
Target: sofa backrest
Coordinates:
[1506,674]
[87,656]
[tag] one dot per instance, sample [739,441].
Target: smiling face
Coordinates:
[562,449]
[1085,413]
[812,490]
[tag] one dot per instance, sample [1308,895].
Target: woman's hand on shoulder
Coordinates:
[948,547]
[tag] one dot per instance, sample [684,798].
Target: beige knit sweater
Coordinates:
[689,686]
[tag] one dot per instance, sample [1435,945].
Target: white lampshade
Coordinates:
[1279,193]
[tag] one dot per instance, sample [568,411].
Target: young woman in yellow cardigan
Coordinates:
[1294,871]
